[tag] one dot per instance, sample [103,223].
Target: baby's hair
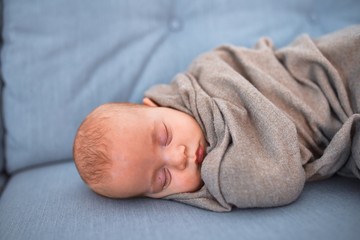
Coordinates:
[90,150]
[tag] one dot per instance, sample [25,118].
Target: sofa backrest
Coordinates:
[61,58]
[2,157]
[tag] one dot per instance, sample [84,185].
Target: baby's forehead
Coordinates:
[127,115]
[126,124]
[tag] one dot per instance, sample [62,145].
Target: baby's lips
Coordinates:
[199,155]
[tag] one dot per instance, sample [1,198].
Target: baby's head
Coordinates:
[125,150]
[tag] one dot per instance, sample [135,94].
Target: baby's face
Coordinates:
[155,152]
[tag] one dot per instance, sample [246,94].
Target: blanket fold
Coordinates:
[273,118]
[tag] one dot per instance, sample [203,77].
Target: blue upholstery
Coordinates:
[56,205]
[2,159]
[61,58]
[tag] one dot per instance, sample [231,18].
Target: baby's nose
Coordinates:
[178,158]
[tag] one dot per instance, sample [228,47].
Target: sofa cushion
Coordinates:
[2,157]
[62,58]
[51,202]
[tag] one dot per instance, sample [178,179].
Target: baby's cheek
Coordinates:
[191,182]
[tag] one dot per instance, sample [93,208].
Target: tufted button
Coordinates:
[175,25]
[313,18]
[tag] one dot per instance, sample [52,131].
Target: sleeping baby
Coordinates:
[241,128]
[127,150]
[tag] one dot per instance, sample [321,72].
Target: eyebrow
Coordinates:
[154,140]
[151,187]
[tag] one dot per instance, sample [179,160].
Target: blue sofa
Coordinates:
[62,58]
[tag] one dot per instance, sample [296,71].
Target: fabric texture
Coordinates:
[273,118]
[51,202]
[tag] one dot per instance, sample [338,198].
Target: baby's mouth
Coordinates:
[200,152]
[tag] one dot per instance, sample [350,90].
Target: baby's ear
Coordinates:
[149,102]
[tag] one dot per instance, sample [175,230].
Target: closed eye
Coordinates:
[163,180]
[167,178]
[168,135]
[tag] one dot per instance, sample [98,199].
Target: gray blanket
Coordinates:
[273,118]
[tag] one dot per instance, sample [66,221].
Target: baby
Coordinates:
[124,150]
[268,121]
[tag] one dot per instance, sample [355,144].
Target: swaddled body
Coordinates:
[273,118]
